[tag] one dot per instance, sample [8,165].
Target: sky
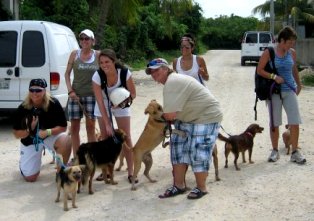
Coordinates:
[243,8]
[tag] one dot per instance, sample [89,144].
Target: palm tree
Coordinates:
[118,10]
[299,10]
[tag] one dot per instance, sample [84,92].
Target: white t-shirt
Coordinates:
[117,112]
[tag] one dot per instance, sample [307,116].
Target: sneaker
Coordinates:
[274,156]
[297,157]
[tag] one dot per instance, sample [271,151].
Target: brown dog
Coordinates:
[286,139]
[150,138]
[67,178]
[102,154]
[241,143]
[152,135]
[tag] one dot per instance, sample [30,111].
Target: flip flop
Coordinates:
[196,193]
[171,192]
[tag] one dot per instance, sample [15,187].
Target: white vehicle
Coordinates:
[254,43]
[33,49]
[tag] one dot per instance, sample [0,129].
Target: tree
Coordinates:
[299,10]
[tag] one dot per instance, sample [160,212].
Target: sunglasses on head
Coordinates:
[154,62]
[35,90]
[84,38]
[185,46]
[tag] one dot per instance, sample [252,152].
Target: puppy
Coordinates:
[102,154]
[151,137]
[241,143]
[67,178]
[286,139]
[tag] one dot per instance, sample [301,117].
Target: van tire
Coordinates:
[242,62]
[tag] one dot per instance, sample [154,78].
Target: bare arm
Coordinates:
[261,68]
[68,70]
[202,68]
[131,87]
[102,108]
[174,65]
[295,72]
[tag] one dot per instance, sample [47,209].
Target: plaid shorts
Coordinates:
[76,112]
[196,148]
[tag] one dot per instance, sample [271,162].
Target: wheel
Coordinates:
[242,62]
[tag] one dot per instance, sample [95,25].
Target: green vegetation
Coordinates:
[308,80]
[139,30]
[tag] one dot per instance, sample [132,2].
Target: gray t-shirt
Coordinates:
[193,102]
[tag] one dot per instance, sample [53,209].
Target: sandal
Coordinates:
[196,193]
[172,191]
[130,179]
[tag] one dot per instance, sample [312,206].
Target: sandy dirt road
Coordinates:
[260,191]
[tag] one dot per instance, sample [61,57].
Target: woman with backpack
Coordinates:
[288,78]
[115,75]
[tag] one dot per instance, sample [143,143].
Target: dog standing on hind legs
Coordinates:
[241,143]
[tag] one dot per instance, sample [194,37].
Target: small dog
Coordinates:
[241,143]
[102,154]
[152,135]
[286,139]
[67,179]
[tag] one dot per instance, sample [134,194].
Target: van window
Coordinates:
[251,38]
[264,38]
[33,49]
[8,42]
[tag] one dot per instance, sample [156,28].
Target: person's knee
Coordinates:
[31,178]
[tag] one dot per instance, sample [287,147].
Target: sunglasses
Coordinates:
[35,90]
[155,62]
[86,38]
[185,46]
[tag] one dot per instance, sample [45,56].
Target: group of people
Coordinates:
[188,104]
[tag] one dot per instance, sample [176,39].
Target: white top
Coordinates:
[116,111]
[193,72]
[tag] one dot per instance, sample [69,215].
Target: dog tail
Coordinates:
[223,138]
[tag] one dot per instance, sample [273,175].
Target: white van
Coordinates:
[33,49]
[254,43]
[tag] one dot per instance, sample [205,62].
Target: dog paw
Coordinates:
[57,200]
[133,188]
[66,209]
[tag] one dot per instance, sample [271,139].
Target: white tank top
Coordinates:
[193,72]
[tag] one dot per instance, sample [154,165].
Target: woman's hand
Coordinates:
[73,96]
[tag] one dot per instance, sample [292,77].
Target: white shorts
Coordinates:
[30,159]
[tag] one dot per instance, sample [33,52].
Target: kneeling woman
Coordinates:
[40,123]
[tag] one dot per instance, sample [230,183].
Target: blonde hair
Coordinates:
[28,103]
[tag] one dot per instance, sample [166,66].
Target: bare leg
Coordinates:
[294,136]
[90,129]
[274,136]
[75,136]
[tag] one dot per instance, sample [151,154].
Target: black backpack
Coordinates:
[265,87]
[103,78]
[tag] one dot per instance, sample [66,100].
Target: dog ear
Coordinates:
[67,170]
[83,167]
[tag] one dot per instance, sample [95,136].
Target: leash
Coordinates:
[37,141]
[224,130]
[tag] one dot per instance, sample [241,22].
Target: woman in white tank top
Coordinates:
[190,64]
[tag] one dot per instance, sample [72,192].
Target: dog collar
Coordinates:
[249,134]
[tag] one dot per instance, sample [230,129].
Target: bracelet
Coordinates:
[275,76]
[271,76]
[48,132]
[70,92]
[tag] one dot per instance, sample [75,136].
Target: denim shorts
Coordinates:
[196,147]
[75,112]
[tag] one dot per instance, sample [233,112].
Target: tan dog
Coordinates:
[150,138]
[241,143]
[286,139]
[152,135]
[67,179]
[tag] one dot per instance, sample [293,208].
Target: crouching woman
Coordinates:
[40,123]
